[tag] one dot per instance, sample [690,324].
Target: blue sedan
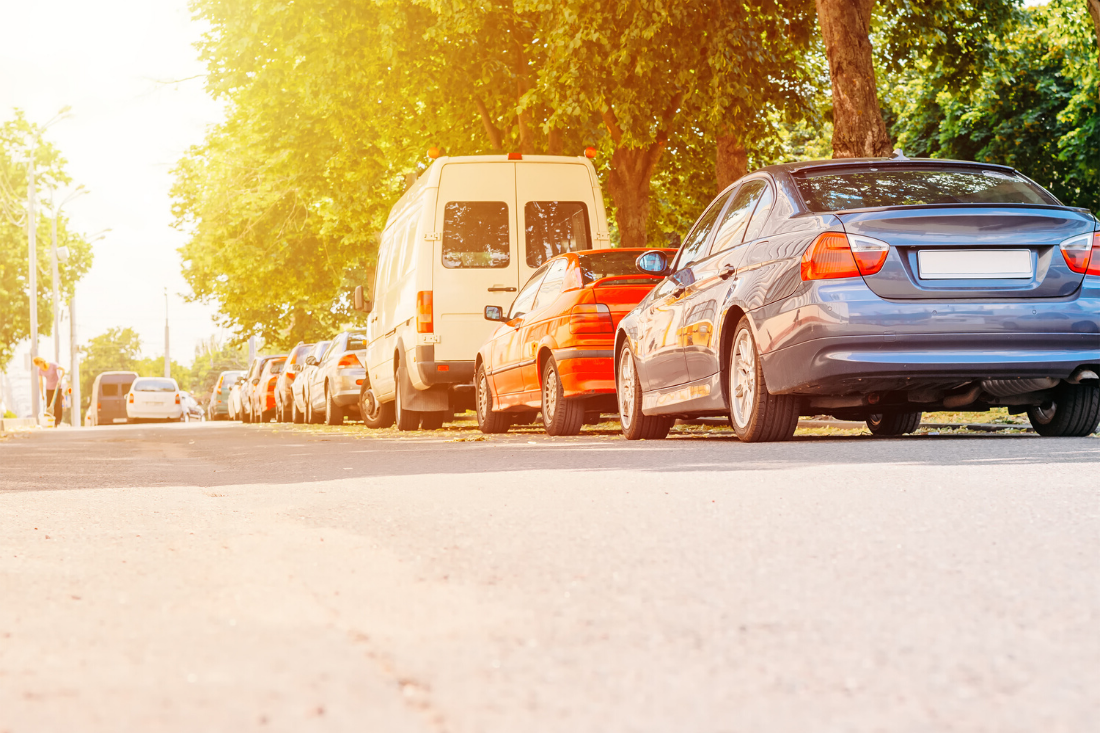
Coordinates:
[870,289]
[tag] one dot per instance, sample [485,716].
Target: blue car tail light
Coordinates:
[1082,253]
[837,255]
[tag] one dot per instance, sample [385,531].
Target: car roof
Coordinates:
[805,166]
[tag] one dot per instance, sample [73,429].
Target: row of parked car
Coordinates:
[873,289]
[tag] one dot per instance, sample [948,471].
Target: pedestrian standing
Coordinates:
[49,383]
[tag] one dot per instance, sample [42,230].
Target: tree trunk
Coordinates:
[1094,11]
[858,128]
[732,160]
[628,183]
[554,143]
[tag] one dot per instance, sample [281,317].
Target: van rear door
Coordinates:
[476,260]
[557,211]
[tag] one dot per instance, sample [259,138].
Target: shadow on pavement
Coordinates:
[222,454]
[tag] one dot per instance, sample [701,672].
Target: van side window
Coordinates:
[554,227]
[552,284]
[475,234]
[409,245]
[393,254]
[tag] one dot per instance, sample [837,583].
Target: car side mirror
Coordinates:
[256,380]
[494,313]
[311,360]
[358,302]
[653,262]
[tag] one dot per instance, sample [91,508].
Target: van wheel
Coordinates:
[405,419]
[756,415]
[1074,411]
[636,425]
[432,420]
[334,414]
[375,414]
[894,423]
[560,416]
[488,420]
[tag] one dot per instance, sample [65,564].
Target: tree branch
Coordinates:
[495,136]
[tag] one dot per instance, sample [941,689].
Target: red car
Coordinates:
[263,396]
[553,350]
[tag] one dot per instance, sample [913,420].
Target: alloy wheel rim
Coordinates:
[371,404]
[626,388]
[483,396]
[743,379]
[550,395]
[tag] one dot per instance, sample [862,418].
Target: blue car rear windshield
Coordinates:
[871,188]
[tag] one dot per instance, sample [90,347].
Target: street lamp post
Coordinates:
[32,271]
[80,190]
[167,359]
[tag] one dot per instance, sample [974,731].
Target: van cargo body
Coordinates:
[108,396]
[466,235]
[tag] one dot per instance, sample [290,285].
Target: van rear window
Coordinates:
[554,227]
[475,234]
[108,389]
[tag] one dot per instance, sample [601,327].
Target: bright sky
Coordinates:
[109,60]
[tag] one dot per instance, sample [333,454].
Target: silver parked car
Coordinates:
[299,388]
[334,385]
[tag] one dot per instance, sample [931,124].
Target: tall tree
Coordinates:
[16,136]
[951,33]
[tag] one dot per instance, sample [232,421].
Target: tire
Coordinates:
[560,416]
[1074,412]
[432,420]
[295,417]
[334,414]
[756,415]
[246,416]
[375,414]
[312,416]
[628,392]
[406,419]
[894,423]
[489,421]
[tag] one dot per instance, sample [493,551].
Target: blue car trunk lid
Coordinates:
[925,240]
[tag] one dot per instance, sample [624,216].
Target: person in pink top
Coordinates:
[49,381]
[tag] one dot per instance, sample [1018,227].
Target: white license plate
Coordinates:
[119,419]
[975,264]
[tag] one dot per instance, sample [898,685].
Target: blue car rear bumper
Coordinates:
[843,339]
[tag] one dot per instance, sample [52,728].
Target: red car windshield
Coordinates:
[598,265]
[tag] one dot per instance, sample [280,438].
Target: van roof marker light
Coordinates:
[433,152]
[590,152]
[515,156]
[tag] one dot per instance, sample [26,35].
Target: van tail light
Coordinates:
[424,321]
[177,398]
[591,319]
[835,255]
[349,361]
[1082,253]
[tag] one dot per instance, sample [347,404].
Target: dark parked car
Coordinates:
[872,289]
[108,405]
[218,406]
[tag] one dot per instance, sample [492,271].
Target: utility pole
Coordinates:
[74,367]
[80,190]
[167,359]
[33,282]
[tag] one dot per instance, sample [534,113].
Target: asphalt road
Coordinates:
[223,577]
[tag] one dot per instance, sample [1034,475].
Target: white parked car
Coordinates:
[466,235]
[154,398]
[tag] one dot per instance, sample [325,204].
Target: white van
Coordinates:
[467,234]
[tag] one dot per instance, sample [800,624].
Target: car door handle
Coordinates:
[502,289]
[727,272]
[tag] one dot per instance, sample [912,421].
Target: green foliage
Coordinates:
[15,136]
[1035,106]
[205,369]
